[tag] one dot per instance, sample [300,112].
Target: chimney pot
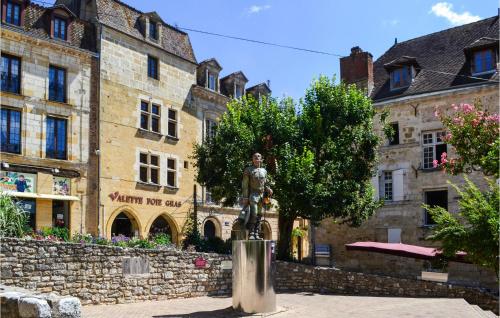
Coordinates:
[356,50]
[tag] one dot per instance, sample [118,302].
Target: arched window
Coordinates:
[209,229]
[123,225]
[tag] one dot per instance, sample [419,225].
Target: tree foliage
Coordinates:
[320,160]
[13,219]
[474,134]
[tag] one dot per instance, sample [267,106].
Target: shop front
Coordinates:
[44,197]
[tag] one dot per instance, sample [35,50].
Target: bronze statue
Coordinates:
[256,195]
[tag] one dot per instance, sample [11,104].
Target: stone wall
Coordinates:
[299,277]
[95,274]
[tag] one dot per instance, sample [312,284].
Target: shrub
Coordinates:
[82,238]
[13,219]
[61,233]
[161,239]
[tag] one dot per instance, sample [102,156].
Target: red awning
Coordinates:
[399,249]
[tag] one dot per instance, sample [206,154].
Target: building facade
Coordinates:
[46,96]
[412,80]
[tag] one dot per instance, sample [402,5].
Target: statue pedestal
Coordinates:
[253,276]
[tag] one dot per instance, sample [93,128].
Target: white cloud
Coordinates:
[445,10]
[256,9]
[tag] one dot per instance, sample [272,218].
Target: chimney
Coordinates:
[357,68]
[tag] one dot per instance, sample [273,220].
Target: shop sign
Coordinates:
[61,186]
[17,181]
[116,196]
[200,262]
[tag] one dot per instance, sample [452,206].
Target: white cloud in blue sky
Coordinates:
[256,9]
[445,10]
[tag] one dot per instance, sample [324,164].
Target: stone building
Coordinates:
[46,95]
[210,96]
[411,80]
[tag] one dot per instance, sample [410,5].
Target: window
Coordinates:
[153,30]
[387,185]
[13,13]
[29,207]
[57,84]
[211,82]
[433,199]
[394,139]
[149,170]
[434,147]
[210,129]
[152,67]
[150,117]
[483,61]
[56,138]
[60,29]
[172,123]
[401,77]
[171,173]
[11,130]
[11,74]
[238,91]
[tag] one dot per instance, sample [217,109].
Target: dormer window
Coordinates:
[238,91]
[211,81]
[153,30]
[13,13]
[60,28]
[483,61]
[401,77]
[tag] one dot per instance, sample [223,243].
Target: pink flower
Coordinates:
[455,107]
[435,163]
[475,122]
[458,121]
[443,156]
[494,118]
[436,112]
[467,108]
[448,136]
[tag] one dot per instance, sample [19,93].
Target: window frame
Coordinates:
[8,126]
[171,171]
[156,68]
[238,90]
[175,122]
[435,142]
[5,17]
[386,182]
[153,25]
[474,70]
[10,57]
[210,128]
[59,35]
[56,80]
[150,116]
[427,215]
[54,154]
[209,81]
[401,84]
[149,166]
[395,139]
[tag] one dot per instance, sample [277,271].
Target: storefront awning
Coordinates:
[42,196]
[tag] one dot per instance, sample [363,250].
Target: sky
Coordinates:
[325,25]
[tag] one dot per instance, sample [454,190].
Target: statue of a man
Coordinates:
[256,194]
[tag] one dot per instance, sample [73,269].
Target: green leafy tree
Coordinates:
[320,160]
[13,219]
[474,135]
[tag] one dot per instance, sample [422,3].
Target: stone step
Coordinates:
[483,313]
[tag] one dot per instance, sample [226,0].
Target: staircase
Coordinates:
[483,313]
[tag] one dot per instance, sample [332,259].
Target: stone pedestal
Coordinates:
[253,276]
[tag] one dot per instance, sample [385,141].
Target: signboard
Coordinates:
[117,196]
[61,186]
[17,181]
[200,262]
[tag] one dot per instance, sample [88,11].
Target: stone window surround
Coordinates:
[68,135]
[163,157]
[400,181]
[208,72]
[163,116]
[20,70]
[65,89]
[150,115]
[21,123]
[63,15]
[149,167]
[158,31]
[432,144]
[157,68]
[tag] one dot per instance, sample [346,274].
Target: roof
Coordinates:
[235,74]
[260,87]
[212,61]
[122,17]
[441,52]
[400,249]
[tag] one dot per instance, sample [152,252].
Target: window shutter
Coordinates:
[375,184]
[394,235]
[398,185]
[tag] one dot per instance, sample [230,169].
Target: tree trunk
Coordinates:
[285,227]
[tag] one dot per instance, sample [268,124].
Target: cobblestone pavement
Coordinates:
[292,305]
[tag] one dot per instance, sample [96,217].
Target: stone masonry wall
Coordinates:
[97,274]
[299,277]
